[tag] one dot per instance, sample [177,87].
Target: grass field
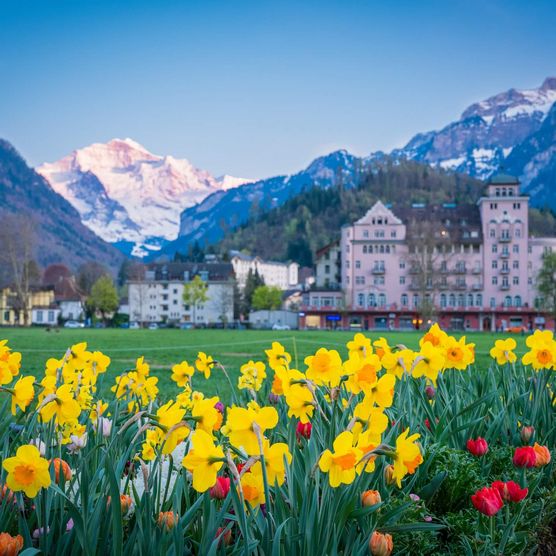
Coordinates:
[166,347]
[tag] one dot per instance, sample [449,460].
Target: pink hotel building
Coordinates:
[483,279]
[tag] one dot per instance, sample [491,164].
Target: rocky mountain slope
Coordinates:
[59,234]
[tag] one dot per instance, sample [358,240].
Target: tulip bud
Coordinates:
[542,455]
[381,544]
[219,406]
[61,465]
[303,430]
[526,433]
[430,392]
[221,488]
[389,475]
[370,498]
[226,538]
[273,398]
[427,423]
[477,447]
[167,520]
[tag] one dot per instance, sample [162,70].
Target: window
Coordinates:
[365,233]
[371,301]
[327,269]
[452,300]
[517,301]
[347,264]
[518,232]
[515,281]
[479,300]
[492,302]
[39,316]
[492,232]
[364,248]
[402,280]
[357,264]
[402,265]
[393,233]
[495,264]
[360,300]
[443,300]
[515,264]
[470,300]
[515,248]
[507,301]
[461,300]
[382,299]
[416,300]
[378,280]
[360,280]
[495,248]
[495,280]
[404,300]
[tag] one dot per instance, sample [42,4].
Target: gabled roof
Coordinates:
[379,210]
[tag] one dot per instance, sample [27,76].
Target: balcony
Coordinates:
[505,287]
[477,287]
[504,271]
[460,270]
[477,270]
[504,239]
[461,287]
[505,255]
[378,270]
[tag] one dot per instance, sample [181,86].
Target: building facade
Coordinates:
[158,296]
[281,275]
[469,267]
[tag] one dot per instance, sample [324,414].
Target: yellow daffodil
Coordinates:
[204,460]
[278,357]
[64,407]
[252,375]
[340,464]
[275,456]
[360,346]
[170,417]
[206,415]
[23,393]
[182,373]
[204,363]
[407,457]
[458,354]
[300,402]
[362,372]
[27,471]
[325,367]
[240,426]
[435,336]
[381,392]
[542,350]
[381,347]
[428,362]
[502,351]
[252,486]
[398,363]
[368,416]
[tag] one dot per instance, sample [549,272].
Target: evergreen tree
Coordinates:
[253,281]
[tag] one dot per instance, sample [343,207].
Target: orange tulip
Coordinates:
[389,475]
[60,464]
[381,544]
[370,498]
[10,546]
[543,455]
[167,520]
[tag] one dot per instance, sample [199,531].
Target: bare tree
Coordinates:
[430,252]
[225,303]
[17,249]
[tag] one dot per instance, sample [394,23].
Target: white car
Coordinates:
[73,324]
[153,326]
[134,325]
[278,326]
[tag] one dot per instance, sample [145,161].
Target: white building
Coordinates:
[45,316]
[281,275]
[159,296]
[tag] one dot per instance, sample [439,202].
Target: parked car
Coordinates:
[187,326]
[153,326]
[134,325]
[280,327]
[73,324]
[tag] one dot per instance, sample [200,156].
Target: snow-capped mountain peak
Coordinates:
[128,195]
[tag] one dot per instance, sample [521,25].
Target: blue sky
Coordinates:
[257,88]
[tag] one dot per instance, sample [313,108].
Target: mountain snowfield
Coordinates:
[141,202]
[130,196]
[487,132]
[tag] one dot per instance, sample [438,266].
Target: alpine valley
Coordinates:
[151,206]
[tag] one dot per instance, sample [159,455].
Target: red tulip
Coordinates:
[221,488]
[525,457]
[477,447]
[303,430]
[427,423]
[526,433]
[487,500]
[510,491]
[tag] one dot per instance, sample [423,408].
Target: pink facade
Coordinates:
[484,275]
